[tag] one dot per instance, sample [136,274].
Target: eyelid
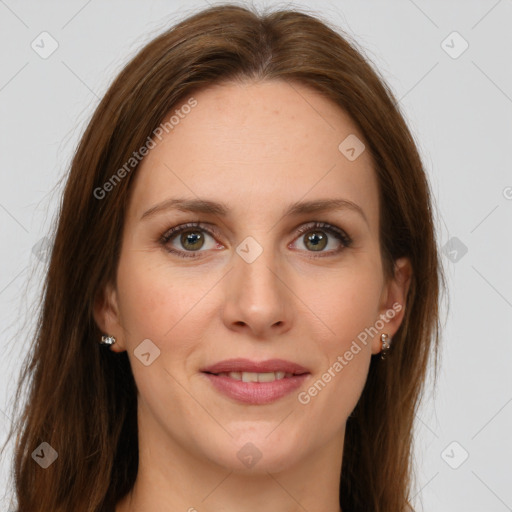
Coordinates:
[339,233]
[212,230]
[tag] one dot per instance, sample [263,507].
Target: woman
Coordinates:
[242,297]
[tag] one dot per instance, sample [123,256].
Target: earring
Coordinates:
[386,343]
[107,340]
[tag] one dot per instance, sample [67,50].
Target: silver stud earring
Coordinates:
[386,343]
[107,340]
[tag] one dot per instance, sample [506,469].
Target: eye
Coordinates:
[194,236]
[318,235]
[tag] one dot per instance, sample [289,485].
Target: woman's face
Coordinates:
[248,284]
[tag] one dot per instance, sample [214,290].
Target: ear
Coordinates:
[106,315]
[393,301]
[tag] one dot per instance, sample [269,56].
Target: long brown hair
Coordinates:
[82,399]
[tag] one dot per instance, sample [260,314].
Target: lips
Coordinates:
[255,376]
[248,366]
[255,383]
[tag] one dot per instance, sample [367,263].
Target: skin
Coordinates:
[257,147]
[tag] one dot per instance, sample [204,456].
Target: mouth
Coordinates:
[256,383]
[279,367]
[256,376]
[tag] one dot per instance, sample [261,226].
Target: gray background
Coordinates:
[460,110]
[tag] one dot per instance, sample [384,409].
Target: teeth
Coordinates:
[256,377]
[249,377]
[267,377]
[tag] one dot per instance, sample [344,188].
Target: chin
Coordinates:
[257,452]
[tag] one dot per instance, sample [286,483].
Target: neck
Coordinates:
[181,482]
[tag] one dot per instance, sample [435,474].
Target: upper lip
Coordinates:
[246,365]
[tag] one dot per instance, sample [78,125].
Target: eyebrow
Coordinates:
[222,210]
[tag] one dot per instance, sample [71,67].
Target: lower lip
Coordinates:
[256,393]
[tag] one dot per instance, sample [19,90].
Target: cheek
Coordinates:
[350,309]
[352,304]
[155,303]
[163,307]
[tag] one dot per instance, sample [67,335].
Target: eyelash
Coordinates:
[338,233]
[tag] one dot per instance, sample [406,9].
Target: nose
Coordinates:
[258,300]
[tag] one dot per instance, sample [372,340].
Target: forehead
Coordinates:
[259,147]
